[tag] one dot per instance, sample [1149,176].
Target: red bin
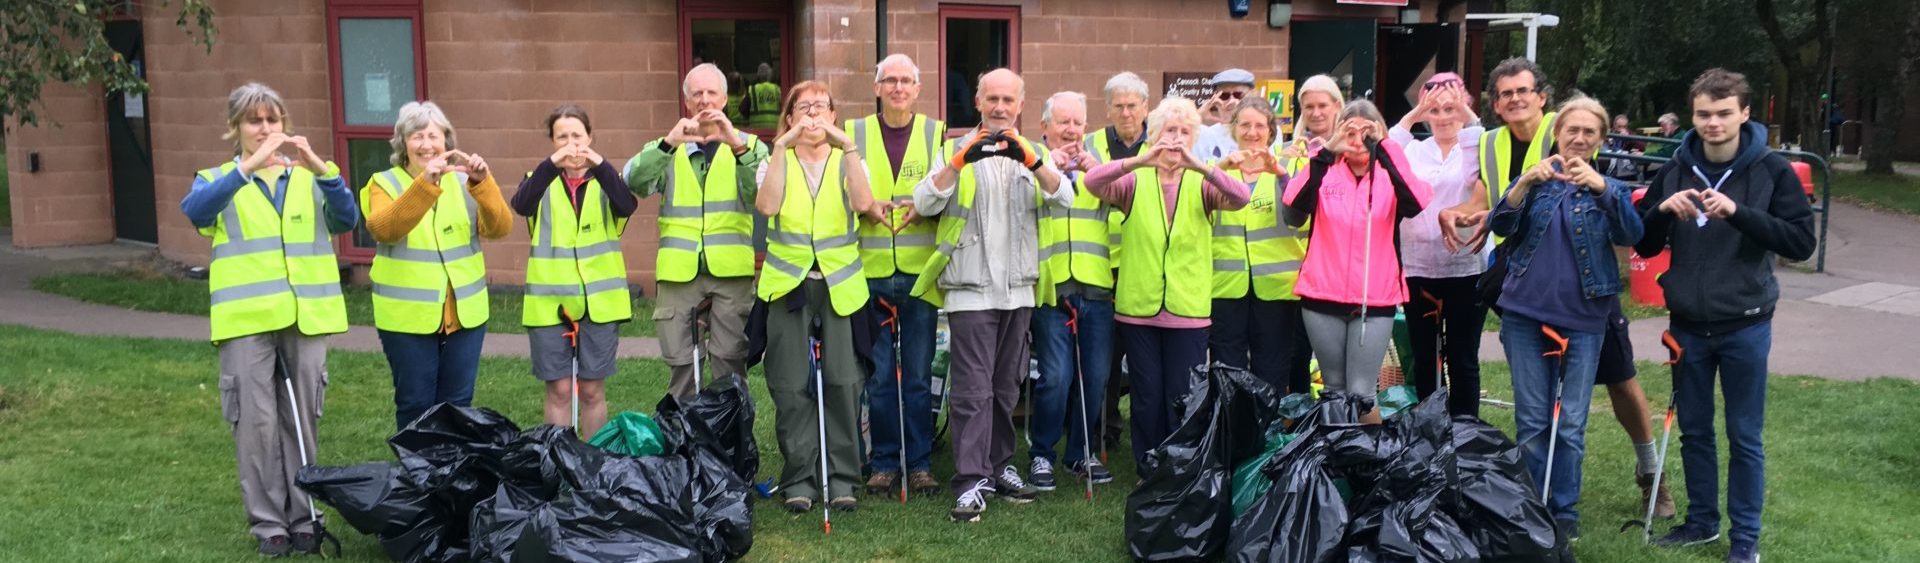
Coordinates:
[1643,277]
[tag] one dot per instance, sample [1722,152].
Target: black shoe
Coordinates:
[1688,535]
[1744,552]
[276,546]
[1008,485]
[972,502]
[1569,527]
[305,543]
[1041,472]
[1092,469]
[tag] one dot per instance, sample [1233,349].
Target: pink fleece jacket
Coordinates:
[1351,256]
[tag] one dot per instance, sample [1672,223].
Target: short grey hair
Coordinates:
[413,117]
[1125,83]
[893,59]
[1670,119]
[1046,108]
[240,105]
[1358,108]
[685,83]
[1171,110]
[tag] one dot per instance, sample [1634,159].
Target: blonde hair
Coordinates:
[241,104]
[1171,109]
[1323,84]
[1580,102]
[413,117]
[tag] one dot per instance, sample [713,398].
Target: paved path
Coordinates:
[20,304]
[1858,320]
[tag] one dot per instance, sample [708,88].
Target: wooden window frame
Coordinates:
[1010,14]
[690,10]
[342,131]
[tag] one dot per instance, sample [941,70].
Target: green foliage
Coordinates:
[62,41]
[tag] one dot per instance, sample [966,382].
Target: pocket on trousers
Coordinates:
[229,398]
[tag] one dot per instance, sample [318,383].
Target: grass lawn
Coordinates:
[143,290]
[1898,193]
[114,451]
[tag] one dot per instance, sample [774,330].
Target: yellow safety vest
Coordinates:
[1097,145]
[273,269]
[1166,265]
[1496,153]
[814,232]
[953,224]
[1252,247]
[574,261]
[763,101]
[708,219]
[410,277]
[881,250]
[1076,243]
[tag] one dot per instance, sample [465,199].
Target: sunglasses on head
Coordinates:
[1439,85]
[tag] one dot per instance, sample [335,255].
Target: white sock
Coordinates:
[1644,451]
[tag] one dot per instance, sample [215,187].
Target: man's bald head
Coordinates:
[999,99]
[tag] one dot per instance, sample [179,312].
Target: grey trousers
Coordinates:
[253,400]
[726,348]
[796,423]
[989,358]
[1347,361]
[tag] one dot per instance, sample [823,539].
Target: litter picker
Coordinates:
[814,335]
[1666,432]
[321,536]
[1080,382]
[1559,387]
[899,389]
[573,342]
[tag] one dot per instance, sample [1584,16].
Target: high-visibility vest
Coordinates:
[410,277]
[1496,154]
[881,250]
[1097,144]
[1293,166]
[273,269]
[707,219]
[574,261]
[763,105]
[1252,247]
[1075,243]
[1166,264]
[953,224]
[814,231]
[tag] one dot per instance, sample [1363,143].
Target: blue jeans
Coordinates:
[1534,378]
[1057,396]
[1741,357]
[429,369]
[884,395]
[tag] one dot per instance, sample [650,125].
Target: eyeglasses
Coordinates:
[1516,92]
[809,107]
[895,82]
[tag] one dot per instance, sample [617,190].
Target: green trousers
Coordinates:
[790,381]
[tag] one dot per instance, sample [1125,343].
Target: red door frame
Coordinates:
[781,10]
[366,9]
[977,12]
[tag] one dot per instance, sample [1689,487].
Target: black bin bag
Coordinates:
[1303,518]
[1402,474]
[1184,509]
[1497,504]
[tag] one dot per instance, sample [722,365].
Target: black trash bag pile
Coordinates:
[1184,510]
[1421,488]
[471,486]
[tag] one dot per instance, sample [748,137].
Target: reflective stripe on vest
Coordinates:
[1253,248]
[273,269]
[574,261]
[704,219]
[881,250]
[1166,264]
[1496,155]
[814,231]
[411,277]
[1075,243]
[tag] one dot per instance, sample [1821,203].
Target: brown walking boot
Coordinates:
[922,482]
[881,483]
[1663,505]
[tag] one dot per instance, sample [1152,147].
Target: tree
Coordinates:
[1792,38]
[63,41]
[1891,98]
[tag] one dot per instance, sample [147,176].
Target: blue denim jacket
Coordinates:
[1599,222]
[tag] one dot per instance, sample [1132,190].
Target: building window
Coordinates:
[749,41]
[973,40]
[376,56]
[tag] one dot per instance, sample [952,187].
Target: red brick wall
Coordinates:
[280,44]
[69,201]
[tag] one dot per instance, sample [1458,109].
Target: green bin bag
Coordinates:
[631,433]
